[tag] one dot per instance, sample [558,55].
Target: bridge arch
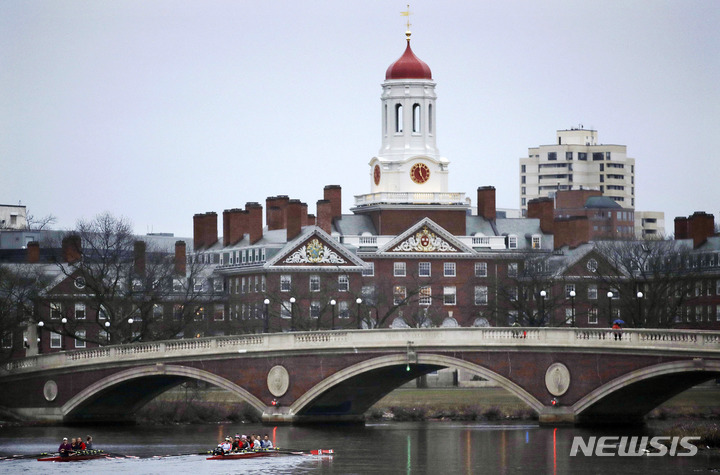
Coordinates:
[163,376]
[631,396]
[425,363]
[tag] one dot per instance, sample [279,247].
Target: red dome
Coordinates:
[408,66]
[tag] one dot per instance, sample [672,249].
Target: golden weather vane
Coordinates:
[407,13]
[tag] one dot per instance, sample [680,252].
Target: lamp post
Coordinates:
[332,322]
[107,331]
[572,300]
[542,306]
[62,336]
[358,301]
[40,325]
[266,319]
[640,297]
[292,314]
[610,297]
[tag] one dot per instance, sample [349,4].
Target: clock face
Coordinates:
[376,174]
[419,173]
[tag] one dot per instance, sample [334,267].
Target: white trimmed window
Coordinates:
[569,288]
[56,311]
[80,339]
[425,296]
[244,285]
[449,269]
[399,269]
[449,295]
[399,294]
[481,269]
[592,316]
[55,340]
[7,340]
[286,309]
[512,241]
[263,286]
[218,285]
[369,271]
[536,241]
[219,313]
[512,269]
[315,309]
[343,309]
[513,293]
[592,292]
[200,314]
[314,283]
[481,295]
[368,295]
[343,283]
[80,311]
[424,269]
[717,313]
[285,283]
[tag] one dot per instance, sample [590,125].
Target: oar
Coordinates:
[305,452]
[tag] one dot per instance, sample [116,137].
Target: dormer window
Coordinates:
[512,241]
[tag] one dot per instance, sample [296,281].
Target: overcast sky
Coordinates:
[156,110]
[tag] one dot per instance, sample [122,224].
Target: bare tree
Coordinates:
[663,271]
[20,286]
[39,223]
[135,295]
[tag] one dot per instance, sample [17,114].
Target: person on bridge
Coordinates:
[65,448]
[616,327]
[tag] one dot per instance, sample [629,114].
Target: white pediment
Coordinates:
[426,237]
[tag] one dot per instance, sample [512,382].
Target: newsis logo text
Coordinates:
[633,446]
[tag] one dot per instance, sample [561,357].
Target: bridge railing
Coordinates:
[381,340]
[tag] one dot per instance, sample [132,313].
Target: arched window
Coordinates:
[430,119]
[385,123]
[416,118]
[398,118]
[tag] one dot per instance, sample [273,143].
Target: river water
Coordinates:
[392,448]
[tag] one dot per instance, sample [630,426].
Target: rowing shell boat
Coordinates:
[270,452]
[72,458]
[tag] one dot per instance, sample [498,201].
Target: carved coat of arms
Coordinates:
[425,241]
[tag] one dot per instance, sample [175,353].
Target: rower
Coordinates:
[256,443]
[88,443]
[65,448]
[267,443]
[227,445]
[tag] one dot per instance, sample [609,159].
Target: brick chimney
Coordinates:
[139,248]
[254,221]
[180,258]
[72,248]
[324,215]
[274,218]
[210,228]
[33,252]
[198,235]
[311,220]
[571,231]
[234,226]
[543,209]
[486,202]
[303,214]
[294,219]
[333,193]
[701,226]
[681,228]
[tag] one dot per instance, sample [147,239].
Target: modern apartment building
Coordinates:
[577,161]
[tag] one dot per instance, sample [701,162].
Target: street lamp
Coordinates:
[292,314]
[107,331]
[40,325]
[266,320]
[62,341]
[358,301]
[572,300]
[610,297]
[332,322]
[542,306]
[640,297]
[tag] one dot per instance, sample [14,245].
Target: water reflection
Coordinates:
[376,448]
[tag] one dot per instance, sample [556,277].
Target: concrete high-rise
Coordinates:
[577,161]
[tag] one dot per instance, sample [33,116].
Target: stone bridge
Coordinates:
[567,375]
